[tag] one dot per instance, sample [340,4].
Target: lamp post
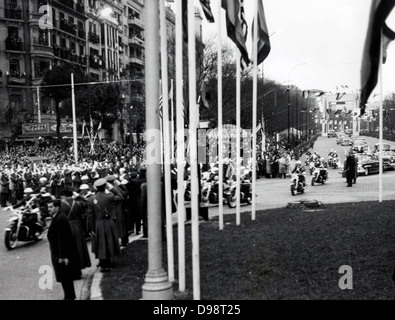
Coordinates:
[105,12]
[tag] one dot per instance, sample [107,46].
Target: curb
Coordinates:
[91,288]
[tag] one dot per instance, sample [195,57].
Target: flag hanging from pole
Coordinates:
[204,95]
[207,10]
[377,28]
[236,27]
[263,35]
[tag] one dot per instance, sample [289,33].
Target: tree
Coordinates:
[57,84]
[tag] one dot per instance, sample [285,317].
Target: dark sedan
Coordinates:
[367,164]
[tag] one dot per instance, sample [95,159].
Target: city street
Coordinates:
[20,268]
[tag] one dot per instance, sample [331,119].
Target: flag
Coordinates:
[161,102]
[83,128]
[207,10]
[379,11]
[236,27]
[184,6]
[263,35]
[204,95]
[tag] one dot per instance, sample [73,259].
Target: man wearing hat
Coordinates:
[119,211]
[101,215]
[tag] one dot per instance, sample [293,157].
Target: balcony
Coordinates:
[42,49]
[13,14]
[137,61]
[136,41]
[16,78]
[14,44]
[93,37]
[68,27]
[136,23]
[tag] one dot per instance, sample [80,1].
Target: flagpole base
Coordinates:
[157,286]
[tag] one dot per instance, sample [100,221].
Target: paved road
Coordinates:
[19,268]
[275,193]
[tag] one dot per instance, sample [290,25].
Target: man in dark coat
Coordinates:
[61,245]
[119,212]
[101,214]
[350,168]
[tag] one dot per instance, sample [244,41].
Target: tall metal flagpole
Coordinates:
[180,148]
[74,120]
[172,120]
[381,120]
[220,132]
[166,141]
[254,108]
[193,150]
[238,128]
[156,285]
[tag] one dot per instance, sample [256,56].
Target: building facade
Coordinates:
[36,35]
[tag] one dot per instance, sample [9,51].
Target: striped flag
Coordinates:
[236,27]
[207,10]
[161,102]
[263,34]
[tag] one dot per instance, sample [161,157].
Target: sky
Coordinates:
[315,44]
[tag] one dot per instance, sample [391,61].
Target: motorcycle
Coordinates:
[320,175]
[245,194]
[335,162]
[213,196]
[298,183]
[23,225]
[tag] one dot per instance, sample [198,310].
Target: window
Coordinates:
[14,67]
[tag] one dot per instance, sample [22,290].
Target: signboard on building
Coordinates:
[45,128]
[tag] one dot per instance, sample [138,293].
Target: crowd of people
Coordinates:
[103,198]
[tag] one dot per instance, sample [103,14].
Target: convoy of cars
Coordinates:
[368,161]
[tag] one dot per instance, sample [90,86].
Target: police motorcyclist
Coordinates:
[299,170]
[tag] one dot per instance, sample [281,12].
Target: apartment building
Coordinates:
[108,48]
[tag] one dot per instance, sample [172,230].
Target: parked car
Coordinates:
[388,159]
[346,141]
[367,164]
[348,132]
[360,146]
[386,147]
[339,138]
[331,133]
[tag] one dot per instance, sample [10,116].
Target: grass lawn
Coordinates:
[285,254]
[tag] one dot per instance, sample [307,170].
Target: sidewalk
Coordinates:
[88,288]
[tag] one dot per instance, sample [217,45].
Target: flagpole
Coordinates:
[238,128]
[172,120]
[74,120]
[254,108]
[381,119]
[180,148]
[220,132]
[193,150]
[166,138]
[156,283]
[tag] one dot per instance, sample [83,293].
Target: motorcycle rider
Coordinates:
[29,201]
[299,170]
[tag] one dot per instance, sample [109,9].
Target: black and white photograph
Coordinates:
[199,154]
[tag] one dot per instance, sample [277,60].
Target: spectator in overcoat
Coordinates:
[101,214]
[60,240]
[350,168]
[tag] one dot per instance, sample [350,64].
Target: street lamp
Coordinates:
[105,13]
